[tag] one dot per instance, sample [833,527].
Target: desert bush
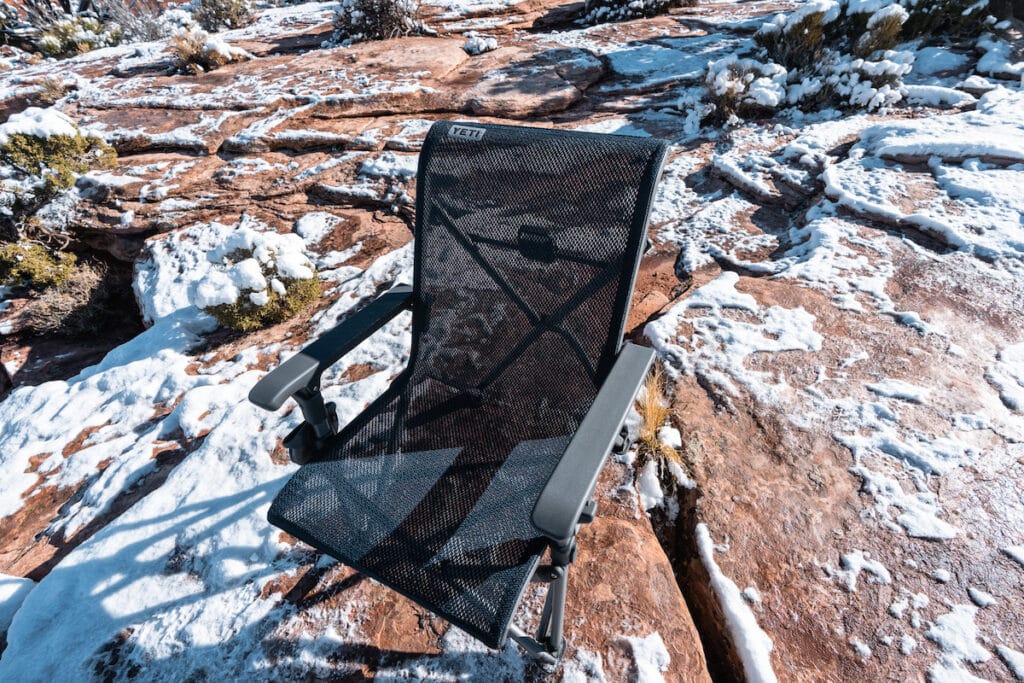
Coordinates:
[216,15]
[138,19]
[196,51]
[881,31]
[259,279]
[88,301]
[836,53]
[602,11]
[74,35]
[26,264]
[176,20]
[745,87]
[361,20]
[47,146]
[50,90]
[947,19]
[42,152]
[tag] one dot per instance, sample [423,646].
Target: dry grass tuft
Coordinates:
[51,90]
[196,52]
[653,406]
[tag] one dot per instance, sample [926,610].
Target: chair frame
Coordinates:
[567,499]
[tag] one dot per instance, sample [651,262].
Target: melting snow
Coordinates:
[1015,552]
[753,644]
[651,658]
[957,636]
[719,346]
[13,591]
[1014,660]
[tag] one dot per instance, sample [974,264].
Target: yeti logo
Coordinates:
[466,133]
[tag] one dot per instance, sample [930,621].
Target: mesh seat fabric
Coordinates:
[527,245]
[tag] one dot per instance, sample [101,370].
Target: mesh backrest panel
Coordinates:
[527,243]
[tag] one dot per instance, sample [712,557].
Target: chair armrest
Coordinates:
[560,504]
[302,371]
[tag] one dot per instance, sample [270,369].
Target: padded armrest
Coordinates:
[303,370]
[571,484]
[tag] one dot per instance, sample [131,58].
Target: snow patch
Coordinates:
[13,591]
[651,657]
[751,642]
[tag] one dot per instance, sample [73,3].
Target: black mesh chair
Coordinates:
[485,451]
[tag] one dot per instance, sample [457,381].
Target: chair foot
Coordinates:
[544,653]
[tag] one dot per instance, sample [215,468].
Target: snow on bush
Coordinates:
[477,43]
[601,11]
[215,15]
[356,21]
[42,152]
[842,54]
[258,279]
[74,35]
[745,87]
[139,19]
[176,20]
[196,51]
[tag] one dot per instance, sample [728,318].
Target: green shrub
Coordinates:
[74,35]
[50,90]
[745,87]
[795,43]
[361,20]
[25,264]
[881,32]
[56,160]
[261,278]
[245,316]
[215,15]
[956,19]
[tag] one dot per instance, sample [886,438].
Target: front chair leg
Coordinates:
[319,424]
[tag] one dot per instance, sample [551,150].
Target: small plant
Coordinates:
[957,19]
[745,87]
[653,406]
[361,20]
[72,306]
[216,15]
[602,11]
[196,51]
[74,35]
[26,264]
[259,279]
[138,19]
[51,89]
[882,31]
[795,40]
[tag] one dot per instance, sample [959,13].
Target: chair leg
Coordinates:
[552,634]
[549,644]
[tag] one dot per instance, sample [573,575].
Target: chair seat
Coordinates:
[447,527]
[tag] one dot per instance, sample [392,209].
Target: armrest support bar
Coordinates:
[571,484]
[300,374]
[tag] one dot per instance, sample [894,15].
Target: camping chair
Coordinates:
[486,449]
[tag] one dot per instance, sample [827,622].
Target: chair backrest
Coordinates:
[527,247]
